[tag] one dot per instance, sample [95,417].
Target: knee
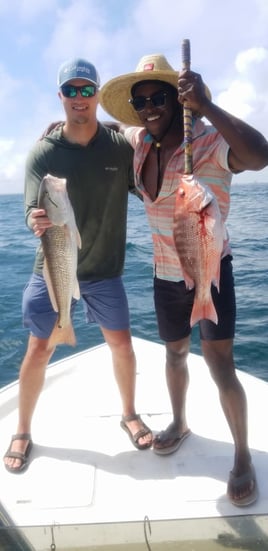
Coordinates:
[222,371]
[39,349]
[176,357]
[121,347]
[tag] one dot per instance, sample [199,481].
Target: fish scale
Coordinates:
[58,255]
[60,245]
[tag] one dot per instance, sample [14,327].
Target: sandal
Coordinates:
[171,436]
[142,432]
[23,457]
[236,483]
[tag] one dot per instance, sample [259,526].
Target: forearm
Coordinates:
[30,203]
[248,147]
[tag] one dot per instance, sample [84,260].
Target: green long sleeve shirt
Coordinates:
[99,176]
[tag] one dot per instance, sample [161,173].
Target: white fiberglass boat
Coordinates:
[87,488]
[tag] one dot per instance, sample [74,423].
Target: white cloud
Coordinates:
[246,60]
[245,95]
[238,99]
[115,34]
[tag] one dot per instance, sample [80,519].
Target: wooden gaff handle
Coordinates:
[187,113]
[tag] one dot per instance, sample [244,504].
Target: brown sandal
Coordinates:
[142,432]
[23,457]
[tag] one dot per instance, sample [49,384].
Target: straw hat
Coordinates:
[114,95]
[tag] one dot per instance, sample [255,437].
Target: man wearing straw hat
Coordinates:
[150,101]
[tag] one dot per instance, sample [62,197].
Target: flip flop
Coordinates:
[169,435]
[23,457]
[135,437]
[236,482]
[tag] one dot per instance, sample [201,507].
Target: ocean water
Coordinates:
[247,225]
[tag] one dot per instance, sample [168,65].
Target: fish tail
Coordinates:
[203,310]
[62,335]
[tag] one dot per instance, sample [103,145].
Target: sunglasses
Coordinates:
[158,99]
[70,91]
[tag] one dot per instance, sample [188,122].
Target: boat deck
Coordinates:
[87,483]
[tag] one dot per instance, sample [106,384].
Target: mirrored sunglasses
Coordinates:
[158,99]
[70,91]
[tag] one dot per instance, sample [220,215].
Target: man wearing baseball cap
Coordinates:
[97,163]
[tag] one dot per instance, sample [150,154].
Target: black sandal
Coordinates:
[23,457]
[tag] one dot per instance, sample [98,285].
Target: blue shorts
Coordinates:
[104,302]
[173,305]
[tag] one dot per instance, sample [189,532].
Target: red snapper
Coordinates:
[199,234]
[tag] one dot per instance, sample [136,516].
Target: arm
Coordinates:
[117,126]
[248,147]
[51,127]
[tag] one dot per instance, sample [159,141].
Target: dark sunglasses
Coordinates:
[158,99]
[70,91]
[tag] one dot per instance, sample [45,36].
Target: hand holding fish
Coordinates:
[40,222]
[191,89]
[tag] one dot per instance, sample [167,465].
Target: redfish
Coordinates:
[199,235]
[60,246]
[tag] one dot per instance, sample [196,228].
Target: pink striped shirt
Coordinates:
[210,165]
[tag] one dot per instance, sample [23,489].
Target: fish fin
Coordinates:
[225,232]
[75,232]
[62,335]
[202,311]
[78,239]
[216,283]
[76,293]
[49,285]
[216,279]
[189,282]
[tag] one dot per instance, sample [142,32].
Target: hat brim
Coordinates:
[78,78]
[114,95]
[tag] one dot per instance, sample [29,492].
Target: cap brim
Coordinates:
[76,78]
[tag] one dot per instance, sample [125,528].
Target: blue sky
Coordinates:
[229,45]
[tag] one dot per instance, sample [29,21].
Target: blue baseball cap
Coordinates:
[77,68]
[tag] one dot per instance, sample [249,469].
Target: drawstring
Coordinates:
[157,146]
